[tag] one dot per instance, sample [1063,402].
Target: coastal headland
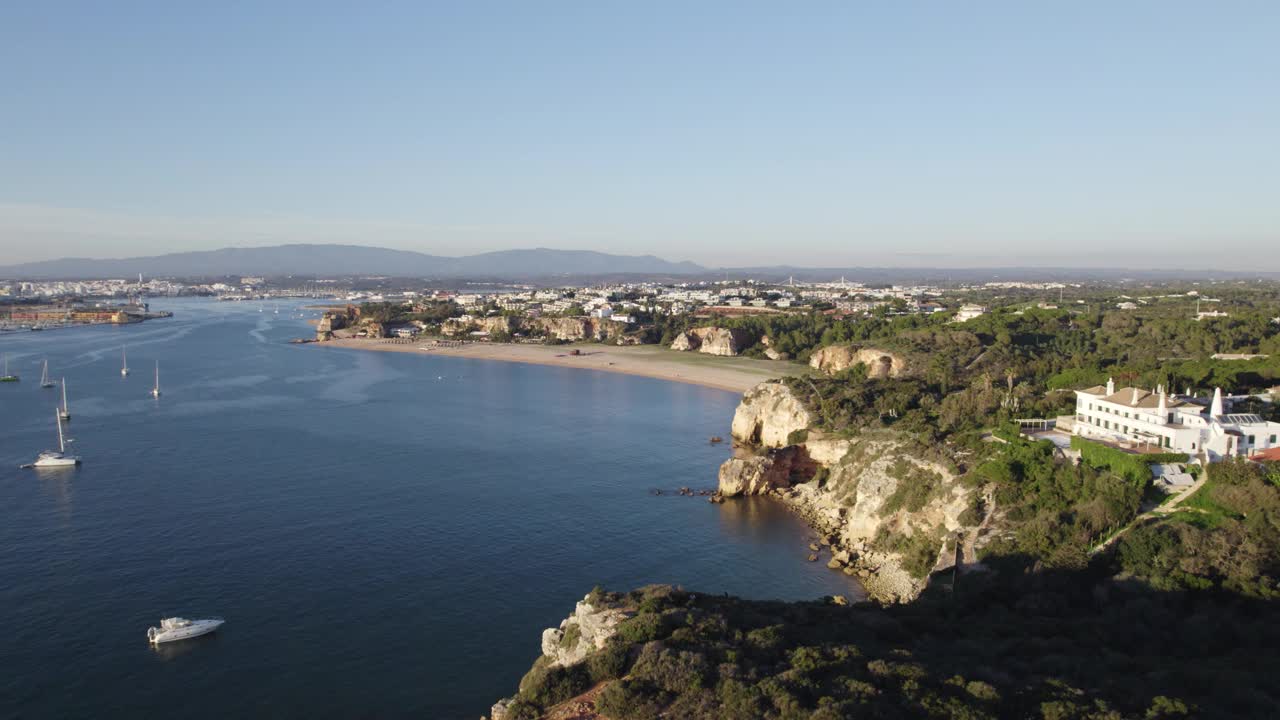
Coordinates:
[734,374]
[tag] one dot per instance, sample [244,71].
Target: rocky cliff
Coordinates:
[712,340]
[594,620]
[838,358]
[580,328]
[890,509]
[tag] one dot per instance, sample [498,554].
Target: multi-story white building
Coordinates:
[1178,424]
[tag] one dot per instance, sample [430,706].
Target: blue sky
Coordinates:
[906,134]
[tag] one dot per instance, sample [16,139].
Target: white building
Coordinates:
[969,311]
[1135,416]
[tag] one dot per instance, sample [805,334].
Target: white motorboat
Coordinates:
[124,363]
[45,382]
[176,628]
[56,458]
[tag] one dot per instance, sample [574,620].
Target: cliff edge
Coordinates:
[890,510]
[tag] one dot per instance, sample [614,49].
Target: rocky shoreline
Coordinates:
[888,515]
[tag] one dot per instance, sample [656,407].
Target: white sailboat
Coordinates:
[45,382]
[124,362]
[155,390]
[64,413]
[6,377]
[56,458]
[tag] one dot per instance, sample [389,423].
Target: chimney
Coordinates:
[1163,410]
[1111,386]
[1215,410]
[1134,401]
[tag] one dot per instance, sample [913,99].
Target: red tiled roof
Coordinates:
[1272,455]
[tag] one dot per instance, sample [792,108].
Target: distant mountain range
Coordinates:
[542,264]
[346,260]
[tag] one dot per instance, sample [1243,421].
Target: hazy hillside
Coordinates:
[331,260]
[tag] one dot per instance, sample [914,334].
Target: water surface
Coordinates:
[386,534]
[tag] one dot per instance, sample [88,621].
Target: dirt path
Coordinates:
[1162,509]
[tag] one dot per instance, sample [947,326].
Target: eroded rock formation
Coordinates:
[838,358]
[887,505]
[768,414]
[712,340]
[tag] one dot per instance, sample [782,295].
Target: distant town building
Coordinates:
[969,312]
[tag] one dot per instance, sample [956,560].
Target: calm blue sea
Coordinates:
[387,535]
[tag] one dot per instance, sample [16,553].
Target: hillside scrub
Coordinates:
[1056,644]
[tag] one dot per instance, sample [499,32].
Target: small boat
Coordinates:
[56,458]
[6,377]
[64,412]
[124,363]
[176,628]
[155,390]
[45,382]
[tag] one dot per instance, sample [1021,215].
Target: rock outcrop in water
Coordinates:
[838,358]
[888,505]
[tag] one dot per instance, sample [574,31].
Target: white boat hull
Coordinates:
[56,461]
[193,629]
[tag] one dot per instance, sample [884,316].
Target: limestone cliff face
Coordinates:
[712,340]
[889,514]
[580,328]
[837,358]
[768,414]
[585,631]
[492,325]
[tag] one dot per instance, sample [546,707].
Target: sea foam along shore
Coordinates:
[735,374]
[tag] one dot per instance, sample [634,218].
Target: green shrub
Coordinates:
[545,685]
[609,662]
[643,628]
[797,437]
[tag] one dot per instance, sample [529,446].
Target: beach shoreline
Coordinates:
[731,374]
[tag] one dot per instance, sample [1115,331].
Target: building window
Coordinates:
[1250,439]
[1167,443]
[1273,440]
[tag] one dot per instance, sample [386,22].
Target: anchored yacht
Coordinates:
[64,412]
[56,458]
[45,382]
[6,377]
[176,628]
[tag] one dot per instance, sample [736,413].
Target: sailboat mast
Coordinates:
[62,446]
[64,396]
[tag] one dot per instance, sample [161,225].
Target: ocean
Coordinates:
[386,535]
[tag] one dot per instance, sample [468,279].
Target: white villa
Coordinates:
[1179,424]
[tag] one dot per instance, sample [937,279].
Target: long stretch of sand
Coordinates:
[735,374]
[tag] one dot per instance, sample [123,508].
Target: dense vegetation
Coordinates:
[1056,644]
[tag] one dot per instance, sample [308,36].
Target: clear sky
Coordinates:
[735,133]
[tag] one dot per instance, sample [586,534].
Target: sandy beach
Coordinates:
[735,374]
